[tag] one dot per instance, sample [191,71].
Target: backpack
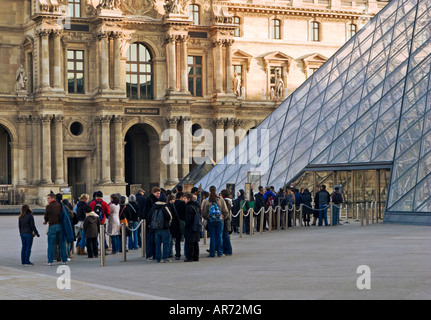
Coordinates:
[197,222]
[157,219]
[270,201]
[214,213]
[98,209]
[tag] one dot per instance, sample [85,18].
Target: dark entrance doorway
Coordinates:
[5,157]
[76,177]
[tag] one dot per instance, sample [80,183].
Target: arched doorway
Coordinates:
[5,157]
[141,158]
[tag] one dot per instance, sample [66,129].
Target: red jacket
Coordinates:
[105,208]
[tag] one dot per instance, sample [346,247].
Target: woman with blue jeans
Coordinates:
[215,211]
[27,230]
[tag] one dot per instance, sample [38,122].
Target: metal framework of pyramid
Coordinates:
[370,103]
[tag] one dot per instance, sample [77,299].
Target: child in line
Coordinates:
[91,228]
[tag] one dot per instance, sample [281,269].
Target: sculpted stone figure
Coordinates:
[20,78]
[236,84]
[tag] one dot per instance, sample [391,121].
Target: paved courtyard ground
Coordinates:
[305,263]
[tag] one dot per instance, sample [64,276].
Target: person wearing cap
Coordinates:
[337,199]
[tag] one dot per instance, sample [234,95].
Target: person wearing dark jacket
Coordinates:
[259,203]
[140,200]
[80,214]
[162,233]
[132,214]
[307,208]
[55,232]
[323,198]
[177,226]
[191,237]
[91,227]
[150,247]
[27,231]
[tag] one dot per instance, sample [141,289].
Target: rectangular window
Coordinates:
[314,31]
[351,31]
[75,71]
[194,13]
[275,29]
[195,75]
[74,8]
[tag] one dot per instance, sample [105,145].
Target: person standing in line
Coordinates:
[259,202]
[177,227]
[227,227]
[114,223]
[214,210]
[55,231]
[140,200]
[133,212]
[191,234]
[316,207]
[101,208]
[27,231]
[323,198]
[337,200]
[307,208]
[162,216]
[150,247]
[80,213]
[91,227]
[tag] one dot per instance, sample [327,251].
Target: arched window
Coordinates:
[237,32]
[139,72]
[194,11]
[351,30]
[314,31]
[275,29]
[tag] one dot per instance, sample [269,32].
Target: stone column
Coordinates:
[172,72]
[36,150]
[184,64]
[56,74]
[104,60]
[219,139]
[105,150]
[186,145]
[44,59]
[58,150]
[22,131]
[119,149]
[173,166]
[218,63]
[46,149]
[230,134]
[117,61]
[228,45]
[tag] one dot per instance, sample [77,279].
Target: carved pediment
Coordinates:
[314,59]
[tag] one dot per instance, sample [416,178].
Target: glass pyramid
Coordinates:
[369,103]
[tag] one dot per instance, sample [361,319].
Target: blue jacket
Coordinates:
[66,225]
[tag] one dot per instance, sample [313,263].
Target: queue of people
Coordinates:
[171,218]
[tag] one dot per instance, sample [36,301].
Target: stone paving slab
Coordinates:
[303,263]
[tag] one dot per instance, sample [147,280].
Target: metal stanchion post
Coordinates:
[241,222]
[366,214]
[270,218]
[331,207]
[123,242]
[301,208]
[278,218]
[102,245]
[262,217]
[143,238]
[251,217]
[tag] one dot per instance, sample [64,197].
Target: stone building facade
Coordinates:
[89,87]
